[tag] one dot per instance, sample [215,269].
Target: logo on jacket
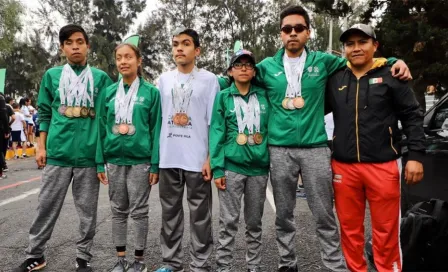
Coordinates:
[342,88]
[313,71]
[337,178]
[277,74]
[375,80]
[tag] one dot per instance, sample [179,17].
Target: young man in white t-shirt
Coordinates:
[17,131]
[187,96]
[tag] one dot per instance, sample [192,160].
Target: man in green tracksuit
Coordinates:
[295,80]
[239,159]
[67,114]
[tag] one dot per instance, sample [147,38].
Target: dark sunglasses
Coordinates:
[287,29]
[247,65]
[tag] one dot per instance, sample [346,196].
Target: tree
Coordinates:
[10,24]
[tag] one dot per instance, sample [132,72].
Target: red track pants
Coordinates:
[379,183]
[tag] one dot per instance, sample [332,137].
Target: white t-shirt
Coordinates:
[26,111]
[187,147]
[17,125]
[329,125]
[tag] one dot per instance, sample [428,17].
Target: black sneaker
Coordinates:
[31,265]
[82,265]
[5,169]
[288,269]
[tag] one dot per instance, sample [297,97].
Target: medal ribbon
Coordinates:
[73,87]
[294,88]
[257,113]
[244,113]
[124,102]
[181,94]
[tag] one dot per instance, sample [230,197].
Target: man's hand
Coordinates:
[7,135]
[207,171]
[220,183]
[153,178]
[401,70]
[413,172]
[41,157]
[102,178]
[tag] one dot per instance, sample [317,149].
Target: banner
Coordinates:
[2,80]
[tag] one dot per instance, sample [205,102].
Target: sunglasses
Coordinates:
[247,65]
[287,29]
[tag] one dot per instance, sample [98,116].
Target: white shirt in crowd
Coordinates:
[17,125]
[187,147]
[329,125]
[26,111]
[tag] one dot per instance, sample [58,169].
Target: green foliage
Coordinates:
[10,24]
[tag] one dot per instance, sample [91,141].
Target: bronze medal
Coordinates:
[285,103]
[183,119]
[115,130]
[84,112]
[298,102]
[92,113]
[258,138]
[241,139]
[250,140]
[123,129]
[131,130]
[62,109]
[77,112]
[69,112]
[176,119]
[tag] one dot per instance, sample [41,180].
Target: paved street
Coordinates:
[18,201]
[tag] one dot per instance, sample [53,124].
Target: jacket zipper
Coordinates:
[392,141]
[357,132]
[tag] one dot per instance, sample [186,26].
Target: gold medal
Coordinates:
[291,104]
[62,109]
[92,113]
[250,139]
[77,112]
[131,130]
[183,119]
[241,139]
[123,129]
[115,130]
[298,102]
[69,112]
[84,112]
[285,103]
[258,138]
[176,120]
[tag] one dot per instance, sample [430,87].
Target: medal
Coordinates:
[123,129]
[77,112]
[285,103]
[62,109]
[258,138]
[92,113]
[131,130]
[115,130]
[298,102]
[183,119]
[84,112]
[69,112]
[241,139]
[250,140]
[176,120]
[291,104]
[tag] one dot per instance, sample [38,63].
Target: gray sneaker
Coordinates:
[121,266]
[137,266]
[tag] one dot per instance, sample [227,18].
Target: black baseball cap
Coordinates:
[360,28]
[239,54]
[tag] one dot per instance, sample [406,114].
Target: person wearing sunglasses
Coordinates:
[295,80]
[240,161]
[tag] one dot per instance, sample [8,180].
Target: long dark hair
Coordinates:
[138,54]
[23,101]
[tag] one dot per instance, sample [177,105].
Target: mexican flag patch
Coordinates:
[375,80]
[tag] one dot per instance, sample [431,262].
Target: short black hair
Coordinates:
[68,30]
[8,99]
[193,34]
[295,10]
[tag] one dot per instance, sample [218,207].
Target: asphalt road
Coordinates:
[18,201]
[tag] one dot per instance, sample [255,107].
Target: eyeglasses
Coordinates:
[287,29]
[239,66]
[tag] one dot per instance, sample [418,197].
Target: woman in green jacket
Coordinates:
[129,128]
[240,160]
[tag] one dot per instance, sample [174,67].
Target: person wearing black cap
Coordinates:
[240,160]
[367,102]
[187,94]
